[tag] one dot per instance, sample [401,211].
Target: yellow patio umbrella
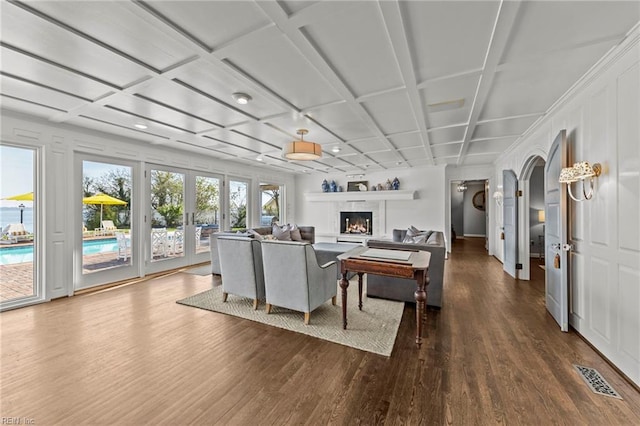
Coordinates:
[27,196]
[103,199]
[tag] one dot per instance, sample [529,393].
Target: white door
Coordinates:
[510,217]
[555,237]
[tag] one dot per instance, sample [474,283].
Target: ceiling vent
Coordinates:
[446,105]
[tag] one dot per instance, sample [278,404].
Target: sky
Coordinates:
[17,170]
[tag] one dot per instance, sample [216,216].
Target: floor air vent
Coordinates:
[596,382]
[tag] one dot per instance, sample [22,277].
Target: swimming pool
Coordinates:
[11,255]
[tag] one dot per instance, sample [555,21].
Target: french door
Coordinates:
[184,209]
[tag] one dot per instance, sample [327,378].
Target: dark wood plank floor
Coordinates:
[131,355]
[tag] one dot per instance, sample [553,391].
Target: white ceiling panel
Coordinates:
[545,27]
[476,160]
[446,135]
[510,127]
[414,154]
[185,99]
[369,145]
[392,112]
[145,109]
[119,25]
[532,87]
[33,93]
[448,150]
[292,7]
[213,22]
[357,46]
[357,74]
[406,140]
[448,37]
[440,100]
[42,38]
[26,107]
[281,68]
[32,69]
[490,145]
[222,85]
[384,156]
[344,121]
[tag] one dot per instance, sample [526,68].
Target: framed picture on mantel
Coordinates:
[358,185]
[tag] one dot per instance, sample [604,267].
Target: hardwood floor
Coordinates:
[131,355]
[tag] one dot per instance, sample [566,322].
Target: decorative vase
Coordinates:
[339,188]
[325,186]
[333,186]
[395,184]
[379,187]
[387,185]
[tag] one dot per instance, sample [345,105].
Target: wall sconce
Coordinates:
[462,186]
[498,197]
[578,173]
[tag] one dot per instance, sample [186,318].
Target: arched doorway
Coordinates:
[531,215]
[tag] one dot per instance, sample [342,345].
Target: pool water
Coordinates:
[11,255]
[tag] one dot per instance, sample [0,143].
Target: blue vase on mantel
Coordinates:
[325,186]
[333,186]
[395,184]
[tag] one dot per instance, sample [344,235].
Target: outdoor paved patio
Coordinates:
[16,280]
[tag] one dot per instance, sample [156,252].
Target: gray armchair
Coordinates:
[294,280]
[241,267]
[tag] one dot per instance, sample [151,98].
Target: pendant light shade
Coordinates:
[302,150]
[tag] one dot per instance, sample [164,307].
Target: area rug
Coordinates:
[199,270]
[373,329]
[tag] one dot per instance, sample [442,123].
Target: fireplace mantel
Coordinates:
[361,196]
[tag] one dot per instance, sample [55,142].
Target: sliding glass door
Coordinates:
[106,243]
[184,210]
[19,223]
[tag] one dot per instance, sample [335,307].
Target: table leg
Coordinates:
[421,298]
[360,274]
[344,283]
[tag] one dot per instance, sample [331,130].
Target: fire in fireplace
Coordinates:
[356,223]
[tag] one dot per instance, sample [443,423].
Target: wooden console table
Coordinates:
[415,267]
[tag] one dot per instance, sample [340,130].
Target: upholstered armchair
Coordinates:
[241,267]
[294,280]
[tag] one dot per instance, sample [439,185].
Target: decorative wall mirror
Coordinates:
[478,200]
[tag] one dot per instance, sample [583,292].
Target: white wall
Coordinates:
[59,191]
[601,116]
[427,211]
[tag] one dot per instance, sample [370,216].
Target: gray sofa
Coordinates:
[403,289]
[308,234]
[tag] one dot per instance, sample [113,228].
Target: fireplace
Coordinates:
[356,223]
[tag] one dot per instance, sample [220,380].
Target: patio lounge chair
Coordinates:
[86,232]
[108,228]
[15,233]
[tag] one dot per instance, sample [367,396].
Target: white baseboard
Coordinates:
[475,235]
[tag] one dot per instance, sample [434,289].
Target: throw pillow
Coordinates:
[281,233]
[295,233]
[269,237]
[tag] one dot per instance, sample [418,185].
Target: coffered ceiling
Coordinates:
[389,83]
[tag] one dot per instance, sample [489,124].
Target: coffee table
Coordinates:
[390,263]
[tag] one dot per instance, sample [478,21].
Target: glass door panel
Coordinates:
[167,233]
[18,220]
[107,239]
[238,204]
[207,211]
[271,200]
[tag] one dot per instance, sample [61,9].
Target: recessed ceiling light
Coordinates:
[241,98]
[259,158]
[336,149]
[140,126]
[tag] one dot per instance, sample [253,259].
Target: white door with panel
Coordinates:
[556,241]
[510,218]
